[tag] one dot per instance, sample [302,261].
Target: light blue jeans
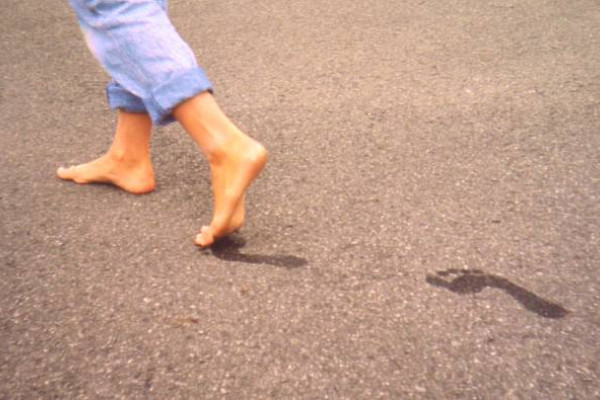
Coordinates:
[152,68]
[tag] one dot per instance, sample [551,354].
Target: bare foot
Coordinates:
[232,173]
[235,161]
[127,163]
[133,177]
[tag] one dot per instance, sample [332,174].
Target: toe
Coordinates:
[64,173]
[205,238]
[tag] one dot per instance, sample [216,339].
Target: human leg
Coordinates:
[127,163]
[140,49]
[235,161]
[143,62]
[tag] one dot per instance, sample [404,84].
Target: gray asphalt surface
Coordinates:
[427,227]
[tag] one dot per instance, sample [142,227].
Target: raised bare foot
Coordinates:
[232,173]
[133,177]
[235,161]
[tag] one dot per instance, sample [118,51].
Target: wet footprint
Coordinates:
[464,281]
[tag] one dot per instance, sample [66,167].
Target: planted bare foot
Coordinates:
[132,176]
[232,173]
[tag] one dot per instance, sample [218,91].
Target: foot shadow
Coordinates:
[474,281]
[228,249]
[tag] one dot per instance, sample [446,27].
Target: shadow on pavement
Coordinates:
[474,281]
[228,249]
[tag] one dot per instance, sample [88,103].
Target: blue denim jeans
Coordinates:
[152,68]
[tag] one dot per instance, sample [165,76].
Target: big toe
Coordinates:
[65,173]
[205,238]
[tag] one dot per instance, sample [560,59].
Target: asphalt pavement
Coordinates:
[427,227]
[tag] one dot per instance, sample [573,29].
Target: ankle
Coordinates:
[122,156]
[219,148]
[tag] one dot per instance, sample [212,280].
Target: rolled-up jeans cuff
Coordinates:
[119,98]
[174,91]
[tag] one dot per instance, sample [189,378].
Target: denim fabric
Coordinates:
[152,68]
